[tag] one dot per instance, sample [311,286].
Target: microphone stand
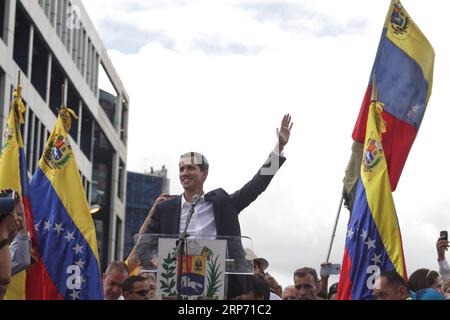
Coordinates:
[182,242]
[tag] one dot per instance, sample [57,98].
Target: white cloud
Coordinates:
[227,104]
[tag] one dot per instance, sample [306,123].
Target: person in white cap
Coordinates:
[260,265]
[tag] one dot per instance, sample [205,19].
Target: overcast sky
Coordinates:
[217,76]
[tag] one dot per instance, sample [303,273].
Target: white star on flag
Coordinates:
[370,244]
[364,235]
[48,226]
[75,294]
[36,226]
[58,228]
[69,236]
[350,233]
[81,280]
[415,109]
[376,259]
[80,263]
[78,249]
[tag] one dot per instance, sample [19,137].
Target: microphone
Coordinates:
[195,199]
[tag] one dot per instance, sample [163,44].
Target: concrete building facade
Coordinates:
[53,42]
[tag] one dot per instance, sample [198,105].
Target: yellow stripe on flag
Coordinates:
[66,181]
[379,194]
[412,41]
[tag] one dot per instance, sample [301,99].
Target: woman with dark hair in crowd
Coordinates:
[426,283]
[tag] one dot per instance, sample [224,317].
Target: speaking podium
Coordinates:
[208,268]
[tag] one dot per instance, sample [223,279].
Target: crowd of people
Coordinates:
[423,284]
[216,214]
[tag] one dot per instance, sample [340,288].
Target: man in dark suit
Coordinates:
[216,213]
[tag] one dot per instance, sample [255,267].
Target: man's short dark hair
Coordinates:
[197,159]
[305,271]
[260,286]
[393,279]
[128,284]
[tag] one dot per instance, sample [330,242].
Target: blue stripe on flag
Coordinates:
[63,256]
[361,250]
[403,93]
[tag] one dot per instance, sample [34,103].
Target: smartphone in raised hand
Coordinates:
[330,268]
[443,235]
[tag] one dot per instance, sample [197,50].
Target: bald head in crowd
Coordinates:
[113,278]
[390,286]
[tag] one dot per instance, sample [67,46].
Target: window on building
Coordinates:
[107,96]
[99,184]
[52,8]
[98,223]
[121,186]
[87,133]
[59,17]
[43,141]
[2,19]
[36,143]
[21,39]
[124,123]
[96,71]
[75,44]
[57,81]
[82,55]
[39,68]
[118,249]
[73,101]
[63,12]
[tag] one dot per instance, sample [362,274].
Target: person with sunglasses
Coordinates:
[136,288]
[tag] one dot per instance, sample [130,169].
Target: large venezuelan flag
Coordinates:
[13,175]
[65,233]
[374,242]
[403,70]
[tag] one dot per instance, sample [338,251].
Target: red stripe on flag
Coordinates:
[345,284]
[397,140]
[39,285]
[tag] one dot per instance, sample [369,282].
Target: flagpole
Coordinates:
[375,90]
[335,227]
[374,98]
[63,95]
[18,79]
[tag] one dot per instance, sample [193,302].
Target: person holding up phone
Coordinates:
[442,246]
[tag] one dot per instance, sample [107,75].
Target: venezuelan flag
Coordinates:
[65,234]
[403,70]
[373,243]
[13,175]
